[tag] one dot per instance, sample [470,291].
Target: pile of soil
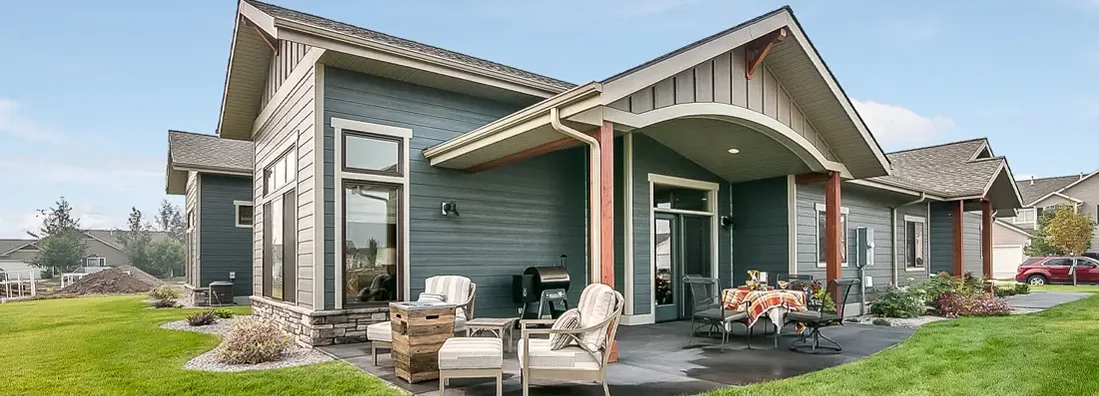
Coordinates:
[118,280]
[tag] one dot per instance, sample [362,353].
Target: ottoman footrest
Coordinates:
[471,358]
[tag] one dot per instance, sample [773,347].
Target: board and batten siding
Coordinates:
[521,215]
[282,63]
[866,208]
[760,228]
[291,125]
[190,204]
[225,246]
[971,244]
[722,80]
[649,156]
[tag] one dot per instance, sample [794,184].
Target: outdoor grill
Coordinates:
[544,286]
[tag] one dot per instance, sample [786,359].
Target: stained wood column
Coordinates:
[605,136]
[986,238]
[832,226]
[958,213]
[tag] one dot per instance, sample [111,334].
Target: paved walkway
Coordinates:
[1039,300]
[654,360]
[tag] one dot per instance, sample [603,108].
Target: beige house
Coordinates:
[1012,234]
[104,250]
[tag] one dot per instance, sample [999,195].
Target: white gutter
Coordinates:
[594,188]
[896,260]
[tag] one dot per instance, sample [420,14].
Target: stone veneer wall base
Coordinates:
[311,328]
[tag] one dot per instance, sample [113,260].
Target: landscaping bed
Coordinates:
[294,356]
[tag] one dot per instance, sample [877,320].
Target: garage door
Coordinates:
[1005,260]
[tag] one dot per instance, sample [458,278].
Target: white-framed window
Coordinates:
[1026,216]
[95,261]
[915,242]
[244,211]
[280,173]
[822,250]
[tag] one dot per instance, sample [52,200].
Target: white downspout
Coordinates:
[595,272]
[896,259]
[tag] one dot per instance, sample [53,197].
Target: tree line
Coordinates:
[62,242]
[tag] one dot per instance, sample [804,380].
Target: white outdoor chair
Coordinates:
[455,289]
[600,309]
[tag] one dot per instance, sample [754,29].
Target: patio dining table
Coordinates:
[757,303]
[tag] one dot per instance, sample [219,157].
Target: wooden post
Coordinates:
[832,227]
[986,238]
[958,214]
[605,136]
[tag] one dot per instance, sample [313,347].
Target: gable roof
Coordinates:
[110,237]
[949,170]
[7,246]
[1038,189]
[188,151]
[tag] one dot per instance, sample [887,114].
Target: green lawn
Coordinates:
[114,346]
[1067,288]
[1049,353]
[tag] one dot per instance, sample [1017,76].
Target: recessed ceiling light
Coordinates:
[734,151]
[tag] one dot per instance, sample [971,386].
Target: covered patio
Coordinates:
[655,360]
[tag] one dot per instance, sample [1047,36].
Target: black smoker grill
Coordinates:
[545,287]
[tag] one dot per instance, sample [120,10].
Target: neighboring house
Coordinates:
[710,159]
[103,250]
[215,175]
[1014,233]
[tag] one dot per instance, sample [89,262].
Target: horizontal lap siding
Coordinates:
[760,228]
[649,156]
[191,240]
[524,214]
[291,125]
[225,246]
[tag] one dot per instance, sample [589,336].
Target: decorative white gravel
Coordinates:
[910,323]
[295,355]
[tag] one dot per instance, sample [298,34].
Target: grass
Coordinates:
[1048,353]
[1067,288]
[114,346]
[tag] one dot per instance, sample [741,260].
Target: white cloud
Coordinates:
[900,127]
[14,123]
[15,225]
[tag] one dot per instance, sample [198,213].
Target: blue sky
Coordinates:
[89,89]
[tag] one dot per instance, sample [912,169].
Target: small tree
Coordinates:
[61,243]
[1040,244]
[166,257]
[1070,232]
[135,241]
[169,219]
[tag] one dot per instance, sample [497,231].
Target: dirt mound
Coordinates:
[118,280]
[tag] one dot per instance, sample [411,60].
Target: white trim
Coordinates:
[1070,185]
[318,191]
[888,187]
[996,175]
[259,18]
[845,212]
[1033,212]
[236,213]
[627,225]
[293,80]
[926,242]
[637,320]
[770,127]
[915,219]
[1068,197]
[204,169]
[713,189]
[405,134]
[792,223]
[984,146]
[1012,227]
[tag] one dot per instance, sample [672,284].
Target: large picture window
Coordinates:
[822,244]
[915,245]
[372,242]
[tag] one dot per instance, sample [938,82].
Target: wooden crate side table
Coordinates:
[500,327]
[419,330]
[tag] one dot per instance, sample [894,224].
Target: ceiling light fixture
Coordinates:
[734,151]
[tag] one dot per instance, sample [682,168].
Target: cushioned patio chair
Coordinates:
[709,311]
[453,289]
[585,358]
[816,318]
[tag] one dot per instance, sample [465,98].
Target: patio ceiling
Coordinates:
[706,142]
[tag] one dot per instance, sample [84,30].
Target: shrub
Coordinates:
[1022,288]
[165,303]
[165,292]
[935,287]
[251,341]
[899,303]
[978,304]
[202,318]
[223,313]
[1004,291]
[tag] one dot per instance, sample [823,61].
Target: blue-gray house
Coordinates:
[740,151]
[215,176]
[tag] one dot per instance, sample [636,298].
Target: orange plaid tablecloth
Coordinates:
[758,303]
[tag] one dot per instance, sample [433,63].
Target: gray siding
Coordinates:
[722,80]
[525,214]
[971,244]
[282,63]
[225,246]
[760,228]
[649,156]
[290,126]
[1001,235]
[1087,191]
[191,238]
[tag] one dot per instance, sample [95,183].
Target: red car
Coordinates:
[1057,269]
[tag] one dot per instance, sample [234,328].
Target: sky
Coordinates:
[88,90]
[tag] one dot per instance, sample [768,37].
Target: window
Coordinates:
[1025,216]
[669,197]
[280,246]
[370,153]
[95,261]
[1058,262]
[280,173]
[915,251]
[822,244]
[244,212]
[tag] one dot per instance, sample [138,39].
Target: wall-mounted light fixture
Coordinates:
[450,208]
[725,221]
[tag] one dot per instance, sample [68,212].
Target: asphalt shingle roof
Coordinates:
[7,245]
[1033,189]
[210,152]
[945,170]
[410,45]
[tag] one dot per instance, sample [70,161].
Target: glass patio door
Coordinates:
[682,247]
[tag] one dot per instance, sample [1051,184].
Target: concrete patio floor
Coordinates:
[655,360]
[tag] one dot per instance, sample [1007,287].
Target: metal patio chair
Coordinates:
[710,312]
[815,319]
